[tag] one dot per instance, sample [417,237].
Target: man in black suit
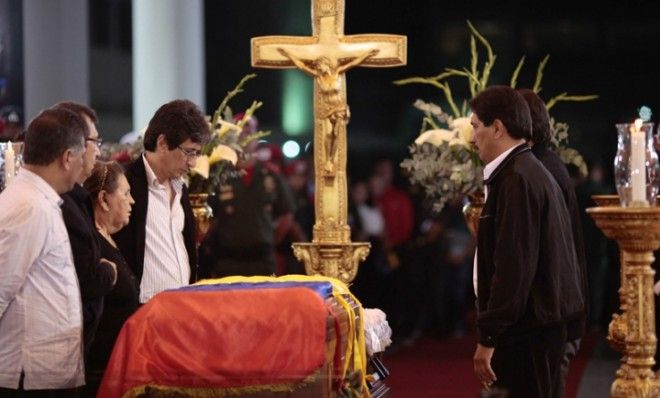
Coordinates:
[96,275]
[527,268]
[159,240]
[541,134]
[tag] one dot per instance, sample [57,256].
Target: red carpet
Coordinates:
[579,363]
[434,368]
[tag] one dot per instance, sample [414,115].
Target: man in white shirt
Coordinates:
[159,240]
[40,306]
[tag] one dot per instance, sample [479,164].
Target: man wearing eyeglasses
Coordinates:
[96,275]
[159,240]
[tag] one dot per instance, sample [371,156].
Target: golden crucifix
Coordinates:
[326,56]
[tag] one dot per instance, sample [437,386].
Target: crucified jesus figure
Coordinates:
[334,110]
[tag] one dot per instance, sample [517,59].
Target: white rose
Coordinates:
[435,137]
[464,128]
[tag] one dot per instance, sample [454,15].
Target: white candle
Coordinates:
[638,162]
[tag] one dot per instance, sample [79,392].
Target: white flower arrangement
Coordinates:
[442,159]
[219,156]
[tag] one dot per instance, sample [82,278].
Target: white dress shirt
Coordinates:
[488,170]
[166,263]
[40,305]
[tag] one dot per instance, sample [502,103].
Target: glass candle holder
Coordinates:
[636,165]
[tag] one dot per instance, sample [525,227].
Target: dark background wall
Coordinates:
[612,50]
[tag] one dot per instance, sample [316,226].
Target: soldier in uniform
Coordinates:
[252,215]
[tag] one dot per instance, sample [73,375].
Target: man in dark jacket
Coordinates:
[527,267]
[96,275]
[541,134]
[159,241]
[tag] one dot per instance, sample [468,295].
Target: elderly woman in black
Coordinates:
[112,202]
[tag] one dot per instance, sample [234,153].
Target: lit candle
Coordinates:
[638,162]
[9,163]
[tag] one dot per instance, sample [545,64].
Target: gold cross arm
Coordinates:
[391,50]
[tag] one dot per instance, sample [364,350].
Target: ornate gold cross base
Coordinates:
[637,231]
[339,260]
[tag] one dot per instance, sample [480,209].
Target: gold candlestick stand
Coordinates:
[637,232]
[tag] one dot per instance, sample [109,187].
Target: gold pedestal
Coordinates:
[637,232]
[606,200]
[613,200]
[617,330]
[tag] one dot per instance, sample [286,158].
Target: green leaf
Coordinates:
[516,72]
[539,74]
